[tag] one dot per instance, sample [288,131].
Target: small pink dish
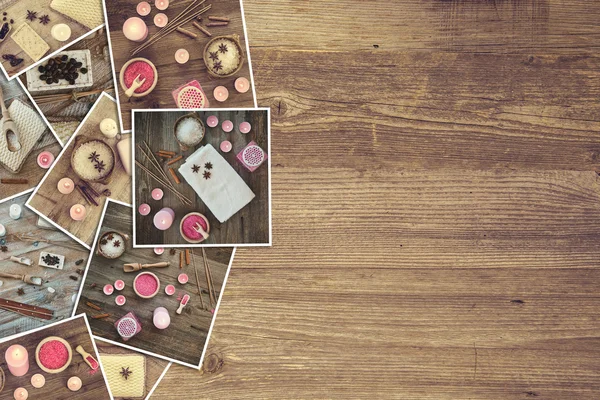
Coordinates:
[225,146]
[170,290]
[146,285]
[119,284]
[108,289]
[120,300]
[183,279]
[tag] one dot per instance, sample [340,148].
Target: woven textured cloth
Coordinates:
[86,12]
[135,384]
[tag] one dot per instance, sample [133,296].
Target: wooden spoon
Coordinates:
[9,128]
[137,266]
[134,85]
[32,280]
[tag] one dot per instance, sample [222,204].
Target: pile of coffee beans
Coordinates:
[61,67]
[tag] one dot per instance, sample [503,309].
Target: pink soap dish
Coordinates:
[128,326]
[190,96]
[252,156]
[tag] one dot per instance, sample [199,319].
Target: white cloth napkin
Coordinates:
[225,192]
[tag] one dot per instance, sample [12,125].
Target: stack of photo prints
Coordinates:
[133,161]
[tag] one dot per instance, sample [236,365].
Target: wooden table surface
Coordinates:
[184,339]
[75,332]
[65,282]
[172,75]
[436,210]
[18,12]
[249,225]
[48,201]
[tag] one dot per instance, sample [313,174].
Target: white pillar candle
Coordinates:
[2,230]
[135,29]
[15,211]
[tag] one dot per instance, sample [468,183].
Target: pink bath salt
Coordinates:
[53,355]
[144,70]
[188,227]
[146,285]
[93,363]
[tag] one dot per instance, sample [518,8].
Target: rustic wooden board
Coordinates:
[184,339]
[48,201]
[65,282]
[249,225]
[172,75]
[18,12]
[435,206]
[76,333]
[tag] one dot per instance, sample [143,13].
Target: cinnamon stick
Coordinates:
[181,259]
[175,178]
[100,316]
[173,161]
[202,29]
[84,195]
[210,24]
[91,189]
[171,153]
[92,305]
[186,32]
[18,181]
[214,18]
[187,257]
[89,196]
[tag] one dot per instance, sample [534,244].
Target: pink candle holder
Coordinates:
[242,85]
[161,318]
[143,8]
[135,29]
[227,126]
[160,20]
[170,290]
[212,121]
[164,219]
[38,381]
[221,94]
[45,159]
[120,300]
[161,4]
[119,285]
[77,212]
[144,209]
[225,146]
[108,289]
[20,394]
[65,185]
[183,279]
[157,194]
[159,250]
[17,360]
[74,383]
[182,56]
[245,127]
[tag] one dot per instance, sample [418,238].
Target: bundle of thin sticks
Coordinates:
[209,281]
[197,279]
[188,14]
[75,96]
[26,237]
[163,178]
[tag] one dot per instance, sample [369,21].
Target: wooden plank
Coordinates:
[249,225]
[75,332]
[50,202]
[65,282]
[184,339]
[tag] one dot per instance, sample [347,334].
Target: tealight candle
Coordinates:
[170,290]
[109,128]
[182,56]
[38,381]
[120,300]
[74,383]
[135,29]
[157,194]
[160,20]
[65,185]
[161,318]
[212,121]
[164,219]
[221,93]
[119,284]
[143,8]
[225,146]
[108,289]
[17,360]
[182,278]
[242,85]
[227,126]
[15,211]
[245,127]
[77,212]
[61,32]
[2,231]
[144,209]
[159,250]
[161,4]
[21,394]
[45,159]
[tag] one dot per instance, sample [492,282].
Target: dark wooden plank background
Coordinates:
[436,210]
[172,75]
[249,225]
[184,339]
[76,333]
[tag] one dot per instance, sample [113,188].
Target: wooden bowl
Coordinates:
[99,246]
[80,141]
[185,146]
[49,339]
[233,38]
[181,227]
[122,76]
[146,296]
[2,379]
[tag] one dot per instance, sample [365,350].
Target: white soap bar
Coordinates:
[30,42]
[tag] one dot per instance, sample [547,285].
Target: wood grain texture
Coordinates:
[49,202]
[18,12]
[435,206]
[75,332]
[184,339]
[65,282]
[249,225]
[172,75]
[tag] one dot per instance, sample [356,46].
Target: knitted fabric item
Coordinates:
[86,12]
[135,384]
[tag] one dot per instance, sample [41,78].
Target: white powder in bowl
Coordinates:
[93,160]
[189,131]
[112,244]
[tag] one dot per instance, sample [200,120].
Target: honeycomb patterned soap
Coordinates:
[30,42]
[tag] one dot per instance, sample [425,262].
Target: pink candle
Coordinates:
[160,20]
[144,209]
[227,126]
[225,146]
[38,381]
[17,360]
[182,56]
[245,127]
[157,194]
[242,85]
[20,394]
[108,289]
[74,383]
[170,290]
[77,212]
[45,159]
[119,284]
[65,185]
[164,219]
[221,93]
[182,278]
[212,121]
[135,29]
[120,300]
[143,8]
[161,4]
[161,318]
[159,250]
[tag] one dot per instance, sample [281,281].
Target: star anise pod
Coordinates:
[223,48]
[217,66]
[125,372]
[208,165]
[94,157]
[195,169]
[103,242]
[117,243]
[4,249]
[110,236]
[206,175]
[213,55]
[100,166]
[44,19]
[31,15]
[20,291]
